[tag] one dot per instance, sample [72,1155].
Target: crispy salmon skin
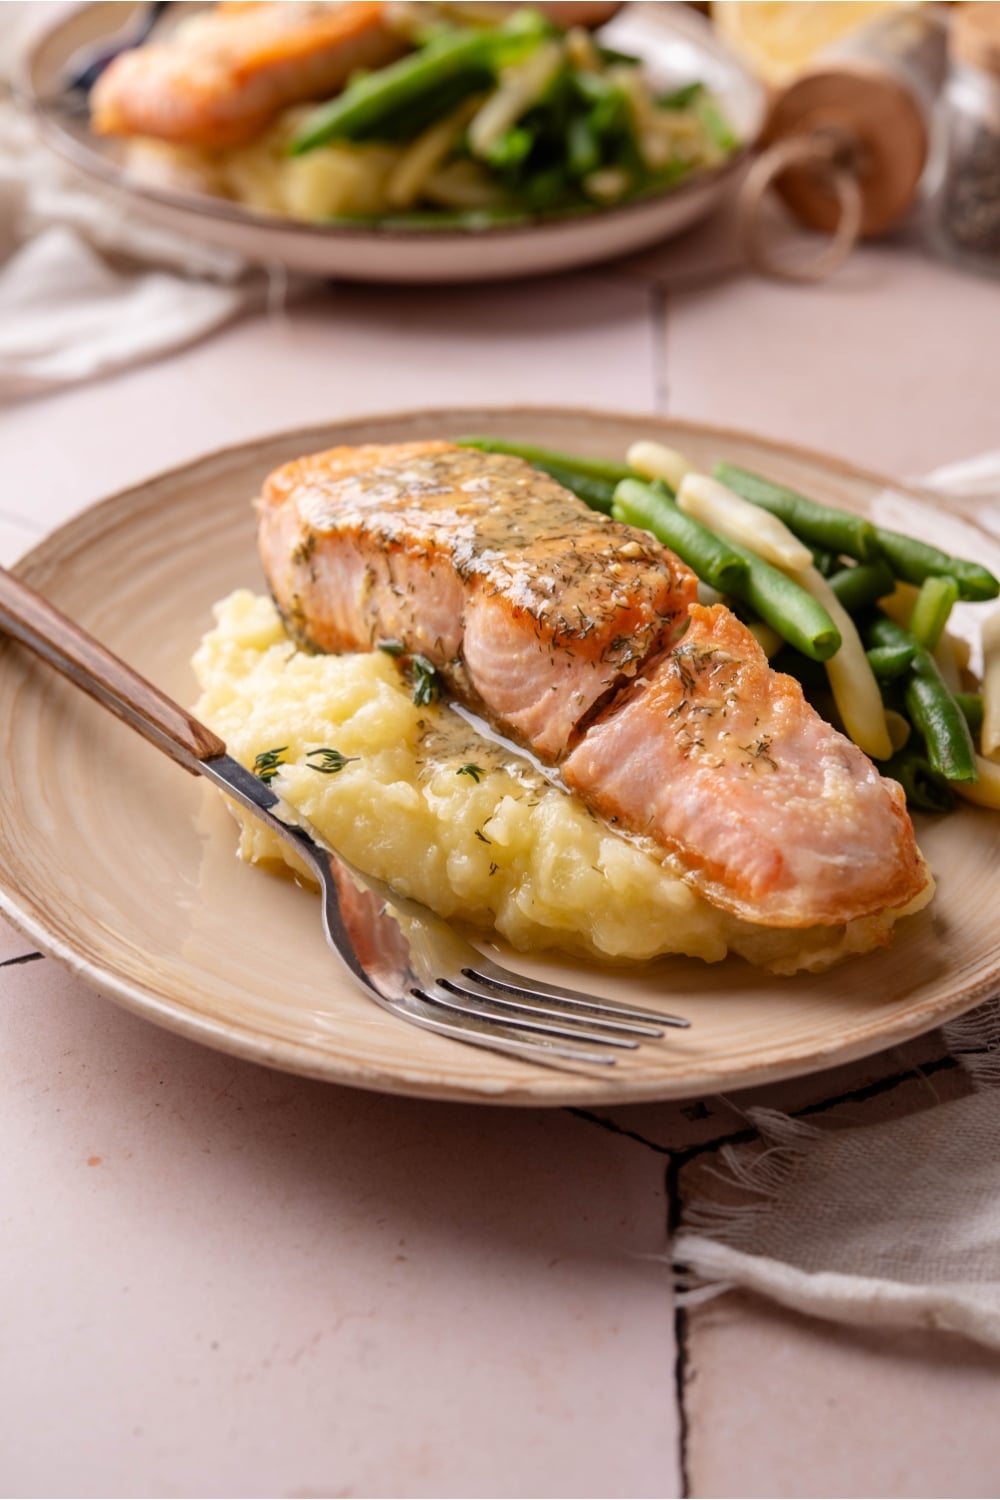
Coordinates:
[221,77]
[583,639]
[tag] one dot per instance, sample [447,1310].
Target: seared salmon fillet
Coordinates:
[583,639]
[220,78]
[479,563]
[776,815]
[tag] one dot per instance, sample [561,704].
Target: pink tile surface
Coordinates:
[16,537]
[779,1405]
[581,340]
[221,1280]
[891,364]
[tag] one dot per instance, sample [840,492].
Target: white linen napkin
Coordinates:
[894,1224]
[85,286]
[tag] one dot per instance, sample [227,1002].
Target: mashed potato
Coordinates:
[461,823]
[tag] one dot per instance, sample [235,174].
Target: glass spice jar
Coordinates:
[963,198]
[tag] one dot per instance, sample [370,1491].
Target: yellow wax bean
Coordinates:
[720,508]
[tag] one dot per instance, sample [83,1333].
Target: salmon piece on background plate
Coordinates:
[221,77]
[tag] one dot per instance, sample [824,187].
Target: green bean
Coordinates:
[681,98]
[583,150]
[781,602]
[651,508]
[930,706]
[612,55]
[939,719]
[915,561]
[403,125]
[925,788]
[715,124]
[930,612]
[836,529]
[372,99]
[971,705]
[599,494]
[860,586]
[510,150]
[890,662]
[543,458]
[824,561]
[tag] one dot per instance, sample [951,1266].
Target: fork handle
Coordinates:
[30,619]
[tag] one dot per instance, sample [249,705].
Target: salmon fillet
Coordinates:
[220,78]
[479,563]
[583,639]
[778,817]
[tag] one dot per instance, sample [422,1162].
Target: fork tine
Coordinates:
[521,1001]
[498,978]
[482,1008]
[464,1027]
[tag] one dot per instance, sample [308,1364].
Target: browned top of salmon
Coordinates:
[531,605]
[221,77]
[583,639]
[774,814]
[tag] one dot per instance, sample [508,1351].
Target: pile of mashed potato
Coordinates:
[466,825]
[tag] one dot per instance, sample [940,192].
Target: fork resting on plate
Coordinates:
[406,958]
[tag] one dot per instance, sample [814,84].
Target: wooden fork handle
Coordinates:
[30,619]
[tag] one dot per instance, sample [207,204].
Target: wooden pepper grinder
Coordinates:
[846,143]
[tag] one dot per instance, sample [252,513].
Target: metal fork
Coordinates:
[406,958]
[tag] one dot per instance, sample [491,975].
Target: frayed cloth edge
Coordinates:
[706,1267]
[761,1177]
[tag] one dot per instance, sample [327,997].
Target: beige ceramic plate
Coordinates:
[123,867]
[677,44]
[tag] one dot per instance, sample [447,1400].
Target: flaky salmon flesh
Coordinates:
[221,77]
[583,640]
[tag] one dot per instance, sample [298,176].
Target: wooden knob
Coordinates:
[884,142]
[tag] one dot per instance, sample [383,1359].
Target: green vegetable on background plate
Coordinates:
[521,118]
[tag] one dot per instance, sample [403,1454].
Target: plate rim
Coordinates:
[262,1047]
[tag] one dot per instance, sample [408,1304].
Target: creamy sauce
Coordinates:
[505,524]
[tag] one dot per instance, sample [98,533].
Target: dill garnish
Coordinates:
[426,682]
[392,648]
[480,835]
[267,762]
[759,752]
[332,760]
[476,772]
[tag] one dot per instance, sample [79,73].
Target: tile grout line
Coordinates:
[849,1096]
[659,306]
[21,958]
[615,1129]
[680,1157]
[682,1352]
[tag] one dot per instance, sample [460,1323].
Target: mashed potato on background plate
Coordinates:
[469,827]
